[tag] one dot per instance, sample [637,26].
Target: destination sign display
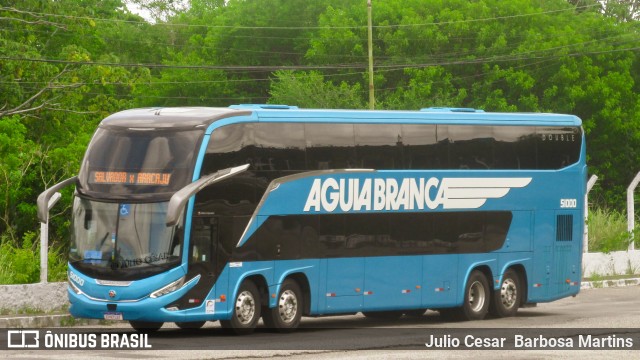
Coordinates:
[129,178]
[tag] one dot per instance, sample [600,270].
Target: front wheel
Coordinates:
[506,300]
[286,315]
[246,310]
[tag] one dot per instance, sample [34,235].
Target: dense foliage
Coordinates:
[66,64]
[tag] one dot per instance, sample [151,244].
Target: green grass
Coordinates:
[21,264]
[608,231]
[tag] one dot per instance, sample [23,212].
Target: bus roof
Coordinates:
[193,117]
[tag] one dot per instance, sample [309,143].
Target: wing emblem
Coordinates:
[472,193]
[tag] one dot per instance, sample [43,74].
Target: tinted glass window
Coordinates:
[378,146]
[234,196]
[514,147]
[420,149]
[281,147]
[363,233]
[470,147]
[230,145]
[330,146]
[139,162]
[382,234]
[331,235]
[558,147]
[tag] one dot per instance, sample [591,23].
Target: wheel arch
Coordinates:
[303,282]
[261,283]
[521,271]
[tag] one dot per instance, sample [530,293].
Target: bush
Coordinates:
[21,265]
[608,231]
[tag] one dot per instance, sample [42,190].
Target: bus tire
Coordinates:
[190,325]
[246,310]
[506,300]
[286,315]
[145,326]
[477,296]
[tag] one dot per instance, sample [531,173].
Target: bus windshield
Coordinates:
[116,241]
[123,164]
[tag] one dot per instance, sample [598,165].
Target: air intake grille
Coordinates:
[564,229]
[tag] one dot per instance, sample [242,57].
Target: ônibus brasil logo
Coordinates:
[407,194]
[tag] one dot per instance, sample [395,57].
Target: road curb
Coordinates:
[609,283]
[44,321]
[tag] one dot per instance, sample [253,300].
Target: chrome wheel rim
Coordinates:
[288,306]
[245,307]
[508,293]
[477,296]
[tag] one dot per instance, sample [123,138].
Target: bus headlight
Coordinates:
[168,289]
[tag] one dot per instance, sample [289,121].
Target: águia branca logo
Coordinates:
[350,194]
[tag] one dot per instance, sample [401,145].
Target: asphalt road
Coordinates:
[612,313]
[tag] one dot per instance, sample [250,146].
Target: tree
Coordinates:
[310,90]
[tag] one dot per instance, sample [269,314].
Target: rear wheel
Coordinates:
[246,310]
[286,315]
[145,326]
[476,297]
[475,305]
[506,300]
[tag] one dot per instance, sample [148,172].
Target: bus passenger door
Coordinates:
[202,259]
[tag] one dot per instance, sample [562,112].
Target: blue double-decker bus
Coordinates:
[190,215]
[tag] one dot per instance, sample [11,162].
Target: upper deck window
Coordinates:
[127,162]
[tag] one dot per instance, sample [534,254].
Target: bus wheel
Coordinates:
[246,310]
[506,300]
[145,326]
[476,297]
[286,315]
[192,325]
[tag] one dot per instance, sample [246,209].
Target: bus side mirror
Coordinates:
[45,196]
[180,198]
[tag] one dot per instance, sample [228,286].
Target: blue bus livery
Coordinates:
[190,215]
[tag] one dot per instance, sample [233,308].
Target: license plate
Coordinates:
[113,316]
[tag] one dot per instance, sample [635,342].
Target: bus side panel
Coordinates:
[471,262]
[439,283]
[240,271]
[219,289]
[540,280]
[567,253]
[310,268]
[392,282]
[519,235]
[345,281]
